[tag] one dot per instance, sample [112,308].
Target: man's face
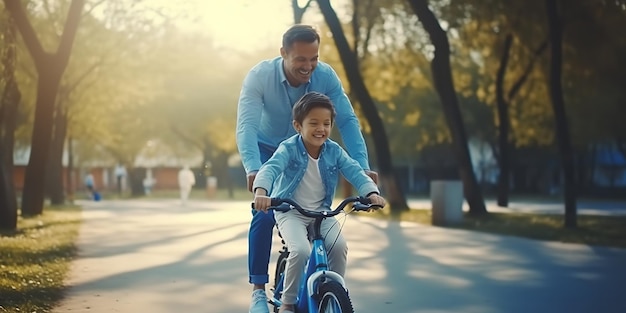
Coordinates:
[299,61]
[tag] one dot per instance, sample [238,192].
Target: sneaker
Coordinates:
[259,302]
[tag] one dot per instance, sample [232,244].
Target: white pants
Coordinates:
[184,193]
[293,227]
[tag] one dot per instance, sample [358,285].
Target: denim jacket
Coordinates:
[282,173]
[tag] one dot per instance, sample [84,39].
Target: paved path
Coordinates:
[155,256]
[589,207]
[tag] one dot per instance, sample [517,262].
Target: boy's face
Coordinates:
[299,61]
[315,129]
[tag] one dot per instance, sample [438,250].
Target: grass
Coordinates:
[592,230]
[36,259]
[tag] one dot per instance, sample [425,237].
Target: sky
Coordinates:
[238,24]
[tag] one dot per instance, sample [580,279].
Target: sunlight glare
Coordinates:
[239,24]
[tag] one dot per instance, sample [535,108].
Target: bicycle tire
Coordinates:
[281,264]
[334,299]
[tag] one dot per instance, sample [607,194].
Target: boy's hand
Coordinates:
[261,200]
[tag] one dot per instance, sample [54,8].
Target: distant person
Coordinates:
[120,174]
[186,180]
[91,187]
[89,183]
[148,183]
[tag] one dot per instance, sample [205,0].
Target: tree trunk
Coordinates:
[35,176]
[8,206]
[298,12]
[442,76]
[388,180]
[9,102]
[222,172]
[558,105]
[55,186]
[135,179]
[69,188]
[503,126]
[50,68]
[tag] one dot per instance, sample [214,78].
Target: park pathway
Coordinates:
[155,256]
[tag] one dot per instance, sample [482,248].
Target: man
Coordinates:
[120,173]
[264,119]
[186,180]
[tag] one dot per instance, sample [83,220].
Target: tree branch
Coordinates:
[520,81]
[69,31]
[28,32]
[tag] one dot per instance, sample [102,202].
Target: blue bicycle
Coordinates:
[321,290]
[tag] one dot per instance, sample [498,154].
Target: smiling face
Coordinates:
[299,61]
[315,129]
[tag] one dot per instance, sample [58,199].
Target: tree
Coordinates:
[502,103]
[388,179]
[9,101]
[558,105]
[442,76]
[97,50]
[50,68]
[298,11]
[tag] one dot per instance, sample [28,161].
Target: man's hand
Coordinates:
[251,178]
[373,175]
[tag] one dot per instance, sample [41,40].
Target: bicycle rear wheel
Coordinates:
[334,299]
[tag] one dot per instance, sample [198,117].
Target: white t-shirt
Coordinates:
[310,193]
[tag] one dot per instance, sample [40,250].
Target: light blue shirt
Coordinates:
[264,114]
[282,173]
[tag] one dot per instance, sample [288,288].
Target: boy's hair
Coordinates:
[300,32]
[310,101]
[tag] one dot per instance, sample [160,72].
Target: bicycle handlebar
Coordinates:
[359,204]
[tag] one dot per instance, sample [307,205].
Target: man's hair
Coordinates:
[300,32]
[310,101]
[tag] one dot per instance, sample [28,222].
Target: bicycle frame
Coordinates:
[316,270]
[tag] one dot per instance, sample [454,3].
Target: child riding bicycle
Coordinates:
[306,169]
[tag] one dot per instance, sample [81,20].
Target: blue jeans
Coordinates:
[260,236]
[260,246]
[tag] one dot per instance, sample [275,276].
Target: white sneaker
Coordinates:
[259,302]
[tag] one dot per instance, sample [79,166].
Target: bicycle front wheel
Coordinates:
[334,299]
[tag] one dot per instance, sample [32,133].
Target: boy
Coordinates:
[305,168]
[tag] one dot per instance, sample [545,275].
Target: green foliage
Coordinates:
[203,86]
[593,53]
[136,78]
[35,260]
